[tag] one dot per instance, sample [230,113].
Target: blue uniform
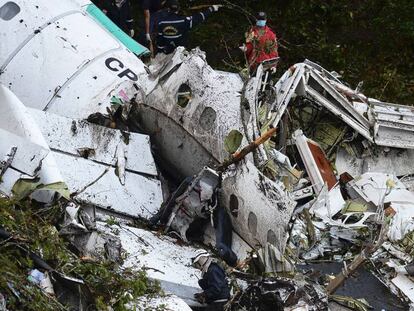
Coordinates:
[172,29]
[119,11]
[214,283]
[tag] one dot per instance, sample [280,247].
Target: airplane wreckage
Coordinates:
[267,175]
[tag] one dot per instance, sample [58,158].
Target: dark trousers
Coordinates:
[216,306]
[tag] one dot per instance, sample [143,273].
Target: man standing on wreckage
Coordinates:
[261,43]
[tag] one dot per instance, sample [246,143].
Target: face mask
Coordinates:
[261,23]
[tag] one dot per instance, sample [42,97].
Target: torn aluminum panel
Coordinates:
[99,185]
[27,157]
[375,187]
[319,88]
[328,203]
[16,119]
[347,220]
[381,123]
[405,285]
[398,162]
[190,111]
[96,180]
[72,136]
[260,208]
[386,190]
[408,181]
[290,85]
[56,57]
[394,124]
[162,258]
[317,166]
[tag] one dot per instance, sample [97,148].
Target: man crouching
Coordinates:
[213,281]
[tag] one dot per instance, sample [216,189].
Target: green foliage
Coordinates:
[102,280]
[32,227]
[370,41]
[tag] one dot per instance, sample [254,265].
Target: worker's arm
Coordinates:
[147,17]
[147,31]
[146,5]
[198,18]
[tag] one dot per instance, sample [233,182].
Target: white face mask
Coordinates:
[261,23]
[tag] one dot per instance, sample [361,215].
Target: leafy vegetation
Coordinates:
[32,228]
[370,40]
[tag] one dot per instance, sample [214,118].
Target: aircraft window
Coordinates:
[207,119]
[9,11]
[234,206]
[184,95]
[252,223]
[271,237]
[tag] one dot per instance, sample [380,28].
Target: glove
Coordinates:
[131,33]
[148,37]
[243,48]
[216,7]
[200,297]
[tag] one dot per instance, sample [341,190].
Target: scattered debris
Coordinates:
[268,175]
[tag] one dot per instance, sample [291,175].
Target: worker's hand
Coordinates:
[104,11]
[243,48]
[148,37]
[216,7]
[201,297]
[131,33]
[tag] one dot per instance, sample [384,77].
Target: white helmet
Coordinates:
[200,257]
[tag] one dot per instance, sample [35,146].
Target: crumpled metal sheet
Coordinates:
[264,206]
[71,135]
[192,137]
[161,257]
[397,162]
[140,197]
[15,118]
[28,156]
[277,293]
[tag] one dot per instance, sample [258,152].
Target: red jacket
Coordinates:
[261,44]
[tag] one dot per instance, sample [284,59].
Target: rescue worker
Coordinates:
[152,9]
[213,281]
[261,43]
[118,11]
[172,29]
